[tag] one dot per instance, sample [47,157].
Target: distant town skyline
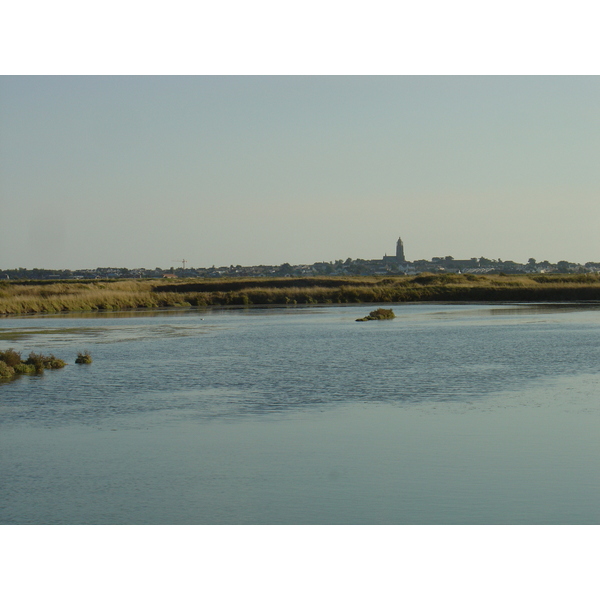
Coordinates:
[134,171]
[389,264]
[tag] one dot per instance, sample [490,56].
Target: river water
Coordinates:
[448,414]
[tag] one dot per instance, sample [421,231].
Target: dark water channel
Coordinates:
[447,414]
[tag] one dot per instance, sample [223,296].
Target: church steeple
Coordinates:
[400,251]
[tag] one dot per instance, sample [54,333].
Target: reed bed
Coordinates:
[135,294]
[27,301]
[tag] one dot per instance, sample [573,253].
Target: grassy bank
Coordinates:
[53,297]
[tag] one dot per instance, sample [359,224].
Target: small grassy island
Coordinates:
[83,358]
[11,363]
[379,314]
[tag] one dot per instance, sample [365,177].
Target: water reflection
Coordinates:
[537,309]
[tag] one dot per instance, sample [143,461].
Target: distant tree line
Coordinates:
[355,267]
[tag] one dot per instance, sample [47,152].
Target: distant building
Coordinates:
[400,251]
[399,259]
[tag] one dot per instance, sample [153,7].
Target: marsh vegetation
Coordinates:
[11,363]
[379,315]
[83,358]
[54,297]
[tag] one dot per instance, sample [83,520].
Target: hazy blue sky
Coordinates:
[142,171]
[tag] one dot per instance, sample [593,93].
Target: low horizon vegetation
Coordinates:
[37,298]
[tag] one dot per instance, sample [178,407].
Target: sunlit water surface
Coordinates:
[447,414]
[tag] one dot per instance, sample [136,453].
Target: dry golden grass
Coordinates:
[24,298]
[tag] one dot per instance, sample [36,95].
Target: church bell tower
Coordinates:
[400,251]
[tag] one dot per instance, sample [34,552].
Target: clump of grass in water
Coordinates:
[6,371]
[12,364]
[379,314]
[84,358]
[41,362]
[10,357]
[25,368]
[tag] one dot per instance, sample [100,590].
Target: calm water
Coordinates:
[447,414]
